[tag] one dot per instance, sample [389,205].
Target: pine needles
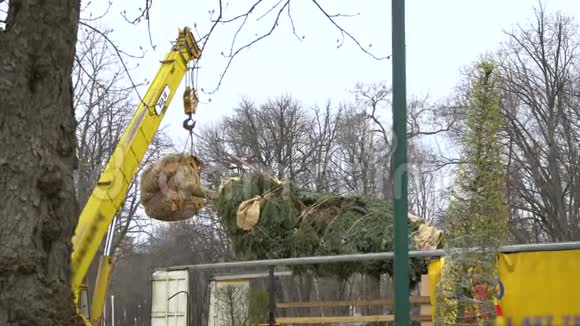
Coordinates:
[296,223]
[478,213]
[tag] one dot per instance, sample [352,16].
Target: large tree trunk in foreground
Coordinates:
[38,209]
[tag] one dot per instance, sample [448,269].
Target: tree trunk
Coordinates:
[37,157]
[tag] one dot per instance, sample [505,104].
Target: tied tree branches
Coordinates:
[337,150]
[478,200]
[268,218]
[478,213]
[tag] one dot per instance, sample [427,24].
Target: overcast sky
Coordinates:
[442,36]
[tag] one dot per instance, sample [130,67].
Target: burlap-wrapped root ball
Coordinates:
[171,189]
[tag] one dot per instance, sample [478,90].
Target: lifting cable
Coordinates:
[190,101]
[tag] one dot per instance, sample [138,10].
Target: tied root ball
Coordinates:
[171,188]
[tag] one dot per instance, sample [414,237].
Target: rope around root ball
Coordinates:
[171,188]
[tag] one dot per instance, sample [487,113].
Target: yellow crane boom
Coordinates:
[112,187]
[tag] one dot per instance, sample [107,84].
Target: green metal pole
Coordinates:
[399,168]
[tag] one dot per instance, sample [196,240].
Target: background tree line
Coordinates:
[347,148]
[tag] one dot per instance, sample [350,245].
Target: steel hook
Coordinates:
[189,124]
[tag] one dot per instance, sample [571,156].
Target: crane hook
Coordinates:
[189,123]
[190,101]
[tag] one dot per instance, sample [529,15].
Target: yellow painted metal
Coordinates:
[112,187]
[101,287]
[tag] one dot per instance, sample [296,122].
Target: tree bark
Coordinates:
[37,158]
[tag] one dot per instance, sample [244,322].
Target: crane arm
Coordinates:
[113,184]
[100,289]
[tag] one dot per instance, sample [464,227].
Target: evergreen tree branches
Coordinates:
[478,211]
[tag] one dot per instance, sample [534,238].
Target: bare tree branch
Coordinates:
[233,54]
[244,15]
[98,17]
[119,55]
[279,6]
[344,32]
[233,51]
[292,24]
[143,14]
[204,39]
[272,9]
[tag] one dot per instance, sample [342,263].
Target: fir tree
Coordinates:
[479,205]
[478,212]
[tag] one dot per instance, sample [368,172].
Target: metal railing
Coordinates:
[272,264]
[268,263]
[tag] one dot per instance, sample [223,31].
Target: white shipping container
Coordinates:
[169,298]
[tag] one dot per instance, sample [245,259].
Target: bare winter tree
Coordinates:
[426,121]
[358,162]
[322,138]
[540,74]
[274,137]
[425,192]
[231,305]
[37,155]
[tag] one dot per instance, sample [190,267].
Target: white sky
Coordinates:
[442,36]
